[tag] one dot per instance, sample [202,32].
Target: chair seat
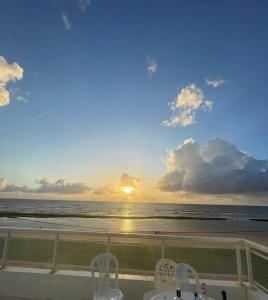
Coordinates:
[108,294]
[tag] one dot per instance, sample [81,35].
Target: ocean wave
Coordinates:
[8,214]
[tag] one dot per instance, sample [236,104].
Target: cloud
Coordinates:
[10,187]
[22,99]
[219,168]
[214,82]
[83,4]
[152,67]
[128,180]
[19,95]
[47,185]
[3,183]
[190,100]
[104,190]
[66,22]
[8,72]
[125,180]
[60,186]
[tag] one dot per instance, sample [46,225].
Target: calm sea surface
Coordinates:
[125,216]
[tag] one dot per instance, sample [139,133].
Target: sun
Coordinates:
[128,189]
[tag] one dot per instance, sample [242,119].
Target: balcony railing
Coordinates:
[213,257]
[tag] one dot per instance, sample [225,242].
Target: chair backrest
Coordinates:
[165,274]
[182,279]
[101,264]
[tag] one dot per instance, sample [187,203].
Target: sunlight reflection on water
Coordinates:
[127,225]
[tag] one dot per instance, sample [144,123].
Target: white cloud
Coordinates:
[19,95]
[83,4]
[218,168]
[8,72]
[4,96]
[208,105]
[184,107]
[22,99]
[66,22]
[214,82]
[152,67]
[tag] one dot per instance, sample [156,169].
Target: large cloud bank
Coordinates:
[190,100]
[8,72]
[218,168]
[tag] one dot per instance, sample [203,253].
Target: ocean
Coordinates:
[133,217]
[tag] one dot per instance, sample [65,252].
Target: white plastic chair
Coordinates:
[101,285]
[164,278]
[182,279]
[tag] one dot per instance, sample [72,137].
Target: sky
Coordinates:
[167,98]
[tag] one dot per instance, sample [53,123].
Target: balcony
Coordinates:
[50,264]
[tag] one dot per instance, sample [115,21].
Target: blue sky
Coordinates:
[92,109]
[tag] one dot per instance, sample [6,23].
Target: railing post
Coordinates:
[108,244]
[249,267]
[5,251]
[162,249]
[55,254]
[239,264]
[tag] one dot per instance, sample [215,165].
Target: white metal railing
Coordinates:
[237,244]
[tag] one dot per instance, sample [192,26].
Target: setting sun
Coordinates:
[128,189]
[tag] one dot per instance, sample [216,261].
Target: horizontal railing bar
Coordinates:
[126,235]
[252,244]
[259,254]
[200,246]
[107,243]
